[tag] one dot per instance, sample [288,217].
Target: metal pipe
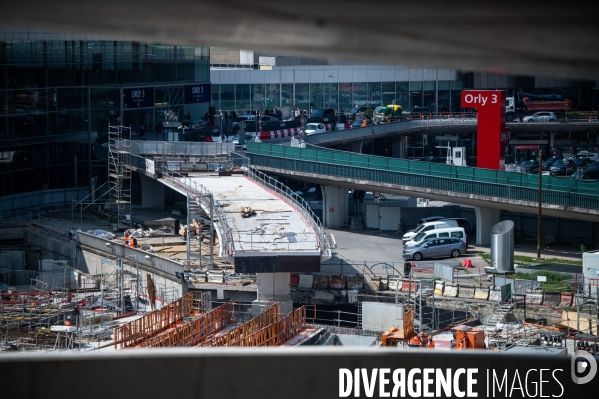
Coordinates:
[539,207]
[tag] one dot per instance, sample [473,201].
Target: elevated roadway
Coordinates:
[483,188]
[436,125]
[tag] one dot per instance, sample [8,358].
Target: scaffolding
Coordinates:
[119,172]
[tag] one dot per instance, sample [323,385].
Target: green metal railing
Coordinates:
[460,179]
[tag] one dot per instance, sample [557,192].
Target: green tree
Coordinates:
[368,113]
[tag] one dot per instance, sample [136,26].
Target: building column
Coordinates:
[152,193]
[357,147]
[334,206]
[273,287]
[398,148]
[486,218]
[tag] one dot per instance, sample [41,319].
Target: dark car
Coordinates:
[469,228]
[562,167]
[356,112]
[589,173]
[549,162]
[321,113]
[417,112]
[359,123]
[530,166]
[582,162]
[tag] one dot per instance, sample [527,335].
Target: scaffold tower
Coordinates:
[119,172]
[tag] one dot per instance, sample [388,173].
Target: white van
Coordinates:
[451,232]
[438,224]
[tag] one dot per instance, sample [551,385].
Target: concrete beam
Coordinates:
[486,218]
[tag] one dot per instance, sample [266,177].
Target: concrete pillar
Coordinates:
[398,150]
[334,206]
[152,193]
[273,287]
[486,218]
[357,147]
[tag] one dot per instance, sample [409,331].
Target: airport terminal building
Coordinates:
[59,92]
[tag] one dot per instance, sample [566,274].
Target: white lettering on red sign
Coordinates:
[479,99]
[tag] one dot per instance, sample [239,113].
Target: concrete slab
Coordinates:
[276,226]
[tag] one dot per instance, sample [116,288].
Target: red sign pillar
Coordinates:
[492,136]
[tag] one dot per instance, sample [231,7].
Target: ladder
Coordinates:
[502,311]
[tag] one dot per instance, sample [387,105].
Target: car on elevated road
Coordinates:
[315,128]
[541,117]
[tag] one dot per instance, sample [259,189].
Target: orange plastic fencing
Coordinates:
[136,331]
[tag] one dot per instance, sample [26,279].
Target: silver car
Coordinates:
[436,247]
[541,117]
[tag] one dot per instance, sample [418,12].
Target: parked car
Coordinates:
[549,162]
[360,122]
[530,166]
[562,167]
[465,223]
[356,112]
[452,232]
[320,113]
[416,112]
[438,224]
[582,162]
[541,117]
[589,173]
[315,128]
[436,247]
[585,154]
[429,219]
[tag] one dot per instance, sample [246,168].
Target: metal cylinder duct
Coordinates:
[502,246]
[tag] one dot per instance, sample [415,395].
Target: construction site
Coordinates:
[235,258]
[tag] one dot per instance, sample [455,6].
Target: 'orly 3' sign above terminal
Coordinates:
[143,97]
[198,93]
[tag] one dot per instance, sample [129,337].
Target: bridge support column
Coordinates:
[357,147]
[334,206]
[486,218]
[398,148]
[152,193]
[273,287]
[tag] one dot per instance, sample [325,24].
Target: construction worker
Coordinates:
[133,242]
[430,343]
[364,123]
[127,238]
[67,322]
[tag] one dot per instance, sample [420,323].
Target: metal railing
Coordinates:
[399,126]
[193,188]
[297,202]
[41,198]
[510,186]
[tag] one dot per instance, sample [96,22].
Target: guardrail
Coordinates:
[193,188]
[355,133]
[297,202]
[178,148]
[450,178]
[167,266]
[40,198]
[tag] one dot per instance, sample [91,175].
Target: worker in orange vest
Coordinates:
[67,322]
[430,343]
[364,123]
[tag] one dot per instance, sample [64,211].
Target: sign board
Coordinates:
[492,135]
[142,97]
[542,278]
[150,166]
[198,93]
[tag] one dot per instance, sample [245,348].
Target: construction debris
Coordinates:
[247,211]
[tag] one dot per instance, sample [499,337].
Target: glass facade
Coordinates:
[441,96]
[58,96]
